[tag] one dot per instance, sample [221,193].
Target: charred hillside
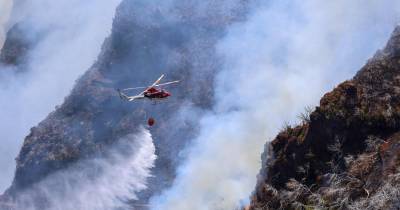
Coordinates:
[146,41]
[345,155]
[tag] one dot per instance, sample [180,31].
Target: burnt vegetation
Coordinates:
[346,152]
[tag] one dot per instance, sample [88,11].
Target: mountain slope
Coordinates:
[345,155]
[15,47]
[146,41]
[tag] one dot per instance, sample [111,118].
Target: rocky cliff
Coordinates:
[146,41]
[345,154]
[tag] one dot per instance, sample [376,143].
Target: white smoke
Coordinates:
[5,12]
[72,32]
[102,183]
[283,58]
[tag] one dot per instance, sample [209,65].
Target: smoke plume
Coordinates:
[283,58]
[67,36]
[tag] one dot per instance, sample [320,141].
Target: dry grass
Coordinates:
[305,115]
[386,197]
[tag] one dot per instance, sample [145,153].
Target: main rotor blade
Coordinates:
[167,83]
[157,81]
[135,88]
[162,84]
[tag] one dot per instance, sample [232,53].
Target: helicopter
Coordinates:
[151,92]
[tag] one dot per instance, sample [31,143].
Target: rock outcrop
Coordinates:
[346,153]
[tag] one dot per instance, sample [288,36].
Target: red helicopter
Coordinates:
[150,92]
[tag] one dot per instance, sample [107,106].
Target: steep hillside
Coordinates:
[15,47]
[345,155]
[146,41]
